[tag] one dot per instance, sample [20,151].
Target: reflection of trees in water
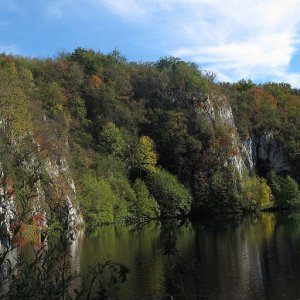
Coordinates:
[230,257]
[176,266]
[221,257]
[49,272]
[215,257]
[229,251]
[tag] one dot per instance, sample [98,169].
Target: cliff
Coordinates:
[219,112]
[263,153]
[35,186]
[114,123]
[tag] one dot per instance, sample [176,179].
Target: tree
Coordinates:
[146,155]
[173,198]
[145,207]
[256,193]
[111,140]
[15,87]
[289,193]
[285,190]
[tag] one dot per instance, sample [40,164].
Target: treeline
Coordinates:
[137,136]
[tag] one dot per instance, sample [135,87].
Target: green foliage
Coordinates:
[146,155]
[219,193]
[145,206]
[103,110]
[222,190]
[48,274]
[186,81]
[285,190]
[107,166]
[91,61]
[53,97]
[270,107]
[256,193]
[244,85]
[79,124]
[124,121]
[111,140]
[290,191]
[173,198]
[100,202]
[122,188]
[44,270]
[15,88]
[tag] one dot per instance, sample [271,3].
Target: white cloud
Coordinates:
[238,39]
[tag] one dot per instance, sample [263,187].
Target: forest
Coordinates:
[144,140]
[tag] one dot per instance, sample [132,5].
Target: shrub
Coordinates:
[285,190]
[145,207]
[256,194]
[100,202]
[173,198]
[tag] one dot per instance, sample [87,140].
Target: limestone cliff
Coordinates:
[42,185]
[262,152]
[219,112]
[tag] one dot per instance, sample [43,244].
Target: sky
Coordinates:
[250,39]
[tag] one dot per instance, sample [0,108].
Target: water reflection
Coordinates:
[225,257]
[217,257]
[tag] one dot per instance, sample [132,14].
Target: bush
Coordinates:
[111,140]
[145,207]
[285,190]
[100,202]
[290,191]
[173,198]
[256,194]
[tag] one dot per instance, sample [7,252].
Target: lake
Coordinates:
[255,256]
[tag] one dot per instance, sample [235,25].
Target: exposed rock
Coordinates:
[264,153]
[218,111]
[7,206]
[260,152]
[58,188]
[58,171]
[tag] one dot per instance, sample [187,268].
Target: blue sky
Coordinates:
[257,39]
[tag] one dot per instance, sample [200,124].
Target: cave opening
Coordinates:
[262,167]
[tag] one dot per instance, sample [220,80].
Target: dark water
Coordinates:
[233,257]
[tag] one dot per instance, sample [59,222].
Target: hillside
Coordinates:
[89,136]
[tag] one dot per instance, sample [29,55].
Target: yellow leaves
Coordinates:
[95,81]
[266,194]
[257,193]
[146,155]
[58,107]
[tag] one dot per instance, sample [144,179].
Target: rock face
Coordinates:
[63,184]
[51,190]
[219,112]
[263,153]
[8,210]
[260,152]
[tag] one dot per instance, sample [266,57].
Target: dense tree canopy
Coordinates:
[141,138]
